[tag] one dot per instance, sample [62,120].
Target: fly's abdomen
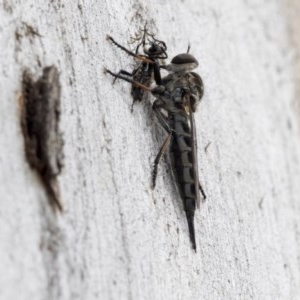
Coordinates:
[183,168]
[182,156]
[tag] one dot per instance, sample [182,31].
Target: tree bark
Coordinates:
[116,238]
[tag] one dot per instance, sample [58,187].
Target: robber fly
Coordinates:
[153,51]
[177,96]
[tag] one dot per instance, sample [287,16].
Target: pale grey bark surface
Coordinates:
[118,239]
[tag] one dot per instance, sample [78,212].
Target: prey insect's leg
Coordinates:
[108,37]
[139,57]
[143,87]
[164,122]
[124,72]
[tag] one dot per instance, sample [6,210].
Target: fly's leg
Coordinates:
[161,152]
[202,191]
[164,122]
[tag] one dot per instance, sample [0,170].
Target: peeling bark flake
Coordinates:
[40,114]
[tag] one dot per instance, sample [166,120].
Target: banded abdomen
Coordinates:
[184,165]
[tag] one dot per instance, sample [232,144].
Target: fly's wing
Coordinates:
[197,88]
[194,152]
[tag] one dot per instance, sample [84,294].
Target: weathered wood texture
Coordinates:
[118,239]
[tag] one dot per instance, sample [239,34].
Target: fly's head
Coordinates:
[182,63]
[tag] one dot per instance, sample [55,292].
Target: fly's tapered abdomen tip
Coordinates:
[190,221]
[194,248]
[193,242]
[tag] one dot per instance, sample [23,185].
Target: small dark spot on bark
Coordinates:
[40,115]
[18,36]
[7,6]
[261,203]
[289,124]
[207,146]
[26,30]
[239,174]
[31,31]
[84,38]
[39,62]
[168,227]
[279,69]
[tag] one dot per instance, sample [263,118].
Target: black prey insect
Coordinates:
[154,50]
[177,96]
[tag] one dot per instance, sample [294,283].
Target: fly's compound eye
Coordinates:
[184,58]
[182,63]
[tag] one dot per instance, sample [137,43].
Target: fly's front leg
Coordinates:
[164,122]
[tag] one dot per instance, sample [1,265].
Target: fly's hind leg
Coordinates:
[164,122]
[161,152]
[202,191]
